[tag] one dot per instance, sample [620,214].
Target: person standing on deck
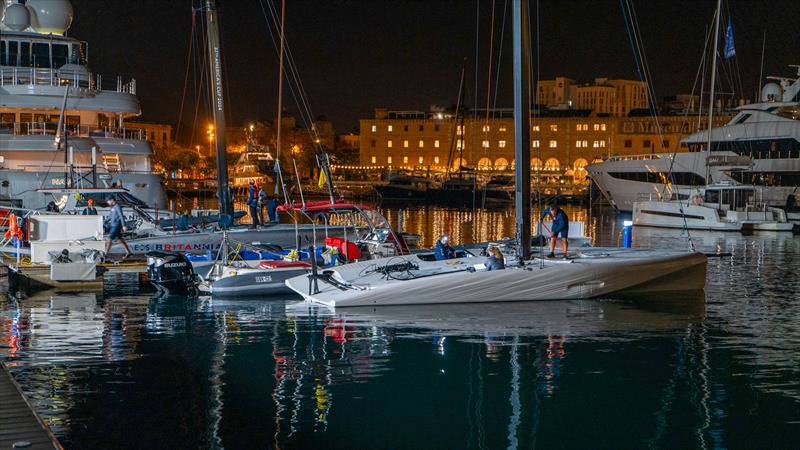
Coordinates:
[252,202]
[560,227]
[272,209]
[262,203]
[496,260]
[116,223]
[90,210]
[442,250]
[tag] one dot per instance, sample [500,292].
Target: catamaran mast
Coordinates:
[215,72]
[522,129]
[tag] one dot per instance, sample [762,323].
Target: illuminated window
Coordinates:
[536,128]
[485,144]
[535,143]
[577,127]
[388,160]
[502,129]
[405,159]
[586,127]
[436,160]
[501,144]
[421,159]
[485,128]
[436,143]
[602,144]
[389,143]
[405,144]
[459,144]
[553,127]
[374,128]
[389,128]
[602,127]
[421,143]
[585,143]
[553,144]
[459,130]
[374,160]
[596,144]
[578,144]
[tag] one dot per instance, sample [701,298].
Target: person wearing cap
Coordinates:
[116,223]
[560,227]
[90,210]
[252,202]
[442,250]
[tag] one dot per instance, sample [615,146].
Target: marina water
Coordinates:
[120,369]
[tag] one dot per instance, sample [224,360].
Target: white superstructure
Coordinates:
[42,73]
[760,146]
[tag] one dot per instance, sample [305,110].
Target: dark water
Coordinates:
[120,370]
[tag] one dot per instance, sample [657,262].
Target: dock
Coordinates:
[20,426]
[32,276]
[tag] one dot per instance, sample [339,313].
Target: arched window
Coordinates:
[552,164]
[579,167]
[536,163]
[484,164]
[501,164]
[459,162]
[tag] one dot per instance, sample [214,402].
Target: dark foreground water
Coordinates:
[122,370]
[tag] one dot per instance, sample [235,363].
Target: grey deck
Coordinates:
[18,422]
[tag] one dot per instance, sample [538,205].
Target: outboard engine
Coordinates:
[171,273]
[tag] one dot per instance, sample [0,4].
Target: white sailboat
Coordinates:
[415,279]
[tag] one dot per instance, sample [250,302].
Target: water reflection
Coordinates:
[102,368]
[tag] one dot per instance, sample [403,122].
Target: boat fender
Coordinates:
[697,200]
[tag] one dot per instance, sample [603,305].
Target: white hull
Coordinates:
[595,273]
[679,215]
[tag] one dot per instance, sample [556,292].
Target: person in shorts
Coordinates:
[560,227]
[116,224]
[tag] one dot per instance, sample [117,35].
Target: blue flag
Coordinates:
[730,49]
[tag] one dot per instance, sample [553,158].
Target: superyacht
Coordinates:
[759,146]
[61,125]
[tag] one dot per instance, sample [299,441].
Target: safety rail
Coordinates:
[80,78]
[49,128]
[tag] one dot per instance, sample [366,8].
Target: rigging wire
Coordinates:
[186,74]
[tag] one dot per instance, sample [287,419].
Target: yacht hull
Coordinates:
[597,273]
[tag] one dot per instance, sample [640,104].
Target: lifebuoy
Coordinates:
[697,200]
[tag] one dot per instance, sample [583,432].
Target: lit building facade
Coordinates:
[602,97]
[159,135]
[417,140]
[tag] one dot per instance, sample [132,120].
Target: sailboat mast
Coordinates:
[713,74]
[522,129]
[215,66]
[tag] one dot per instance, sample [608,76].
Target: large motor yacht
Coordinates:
[759,146]
[60,124]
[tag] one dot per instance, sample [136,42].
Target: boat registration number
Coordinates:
[264,279]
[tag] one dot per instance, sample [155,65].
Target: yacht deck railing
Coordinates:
[32,76]
[49,129]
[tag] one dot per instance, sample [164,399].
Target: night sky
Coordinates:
[354,56]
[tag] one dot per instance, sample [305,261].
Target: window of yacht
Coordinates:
[13,53]
[789,112]
[24,54]
[41,55]
[742,119]
[3,53]
[60,55]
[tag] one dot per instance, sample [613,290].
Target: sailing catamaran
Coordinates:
[413,279]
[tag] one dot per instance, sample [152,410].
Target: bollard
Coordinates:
[627,233]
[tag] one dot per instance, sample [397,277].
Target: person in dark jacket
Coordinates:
[90,210]
[116,223]
[442,250]
[559,227]
[52,207]
[495,261]
[272,210]
[252,202]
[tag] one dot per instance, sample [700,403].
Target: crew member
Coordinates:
[116,223]
[560,227]
[252,202]
[90,210]
[272,209]
[443,250]
[495,261]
